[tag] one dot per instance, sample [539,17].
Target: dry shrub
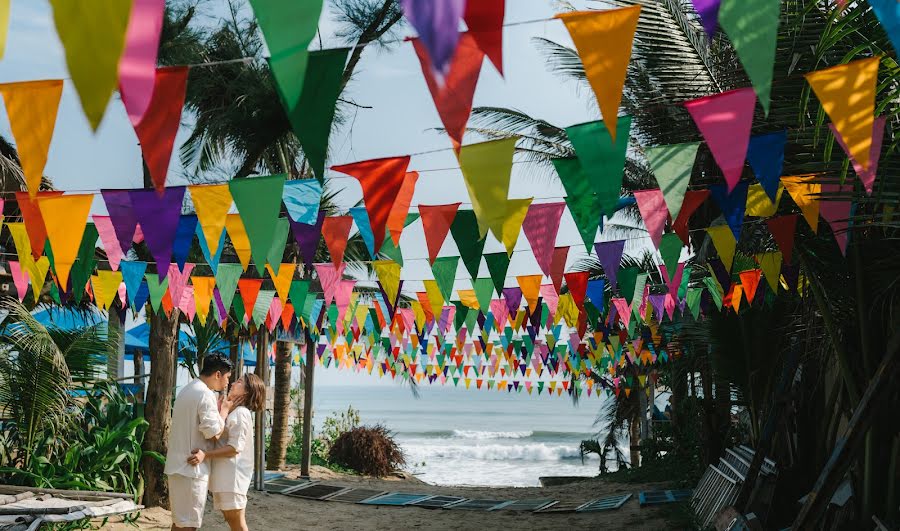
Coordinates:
[369,450]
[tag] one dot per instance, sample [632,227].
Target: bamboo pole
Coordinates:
[259,442]
[309,373]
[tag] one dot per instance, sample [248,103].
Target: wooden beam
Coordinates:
[259,439]
[308,374]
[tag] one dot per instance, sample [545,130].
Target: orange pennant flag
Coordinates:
[336,231]
[436,221]
[750,281]
[31,107]
[396,220]
[531,287]
[65,218]
[603,40]
[382,182]
[847,93]
[805,193]
[283,279]
[34,222]
[203,294]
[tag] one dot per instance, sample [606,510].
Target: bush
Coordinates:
[332,428]
[369,450]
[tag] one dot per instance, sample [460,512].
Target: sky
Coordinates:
[401,120]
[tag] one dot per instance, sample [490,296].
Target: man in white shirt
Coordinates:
[196,422]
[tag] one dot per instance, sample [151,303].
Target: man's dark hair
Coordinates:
[216,363]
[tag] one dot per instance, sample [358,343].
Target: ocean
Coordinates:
[454,436]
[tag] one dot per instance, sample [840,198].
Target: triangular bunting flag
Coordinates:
[469,242]
[752,29]
[581,199]
[258,201]
[723,239]
[498,265]
[672,165]
[805,192]
[541,226]
[436,222]
[211,202]
[602,159]
[516,210]
[65,218]
[31,108]
[486,168]
[157,129]
[381,181]
[765,153]
[336,231]
[652,205]
[159,215]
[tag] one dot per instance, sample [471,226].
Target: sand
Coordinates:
[277,512]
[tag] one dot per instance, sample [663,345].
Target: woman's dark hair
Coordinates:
[216,363]
[254,397]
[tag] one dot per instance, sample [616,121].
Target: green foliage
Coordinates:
[369,450]
[334,426]
[207,339]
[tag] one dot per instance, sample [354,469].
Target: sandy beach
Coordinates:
[277,512]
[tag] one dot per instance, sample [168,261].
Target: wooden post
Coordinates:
[308,373]
[259,442]
[115,363]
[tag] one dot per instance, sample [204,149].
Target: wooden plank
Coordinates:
[317,491]
[609,503]
[437,502]
[563,507]
[525,505]
[356,495]
[396,499]
[477,504]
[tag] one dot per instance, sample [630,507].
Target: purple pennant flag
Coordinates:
[722,274]
[437,23]
[121,214]
[513,297]
[709,15]
[610,255]
[220,306]
[159,217]
[659,304]
[307,237]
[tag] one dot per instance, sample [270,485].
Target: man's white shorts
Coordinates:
[187,498]
[229,501]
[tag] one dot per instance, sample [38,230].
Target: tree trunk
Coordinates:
[158,407]
[634,432]
[281,407]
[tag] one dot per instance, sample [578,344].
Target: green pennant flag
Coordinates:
[498,265]
[275,256]
[391,251]
[670,250]
[258,201]
[468,240]
[54,293]
[85,261]
[297,293]
[580,198]
[638,293]
[444,269]
[312,118]
[308,308]
[333,313]
[693,301]
[461,312]
[602,160]
[752,28]
[627,281]
[672,165]
[715,290]
[227,277]
[685,281]
[239,312]
[471,319]
[157,289]
[593,313]
[484,290]
[288,27]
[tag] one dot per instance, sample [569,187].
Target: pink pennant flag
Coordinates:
[541,226]
[19,279]
[867,176]
[623,309]
[500,312]
[138,234]
[137,67]
[653,209]
[274,315]
[725,120]
[837,213]
[123,292]
[110,241]
[342,297]
[178,281]
[551,298]
[187,304]
[330,277]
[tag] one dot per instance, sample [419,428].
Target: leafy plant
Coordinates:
[334,426]
[369,450]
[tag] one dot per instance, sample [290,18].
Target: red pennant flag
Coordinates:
[157,128]
[577,283]
[750,281]
[541,226]
[692,201]
[783,228]
[436,221]
[558,266]
[453,98]
[725,120]
[249,289]
[485,21]
[381,180]
[396,220]
[336,232]
[34,222]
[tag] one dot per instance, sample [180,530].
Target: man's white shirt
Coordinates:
[195,420]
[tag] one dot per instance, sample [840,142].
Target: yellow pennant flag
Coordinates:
[4,25]
[567,310]
[736,295]
[239,239]
[847,93]
[203,294]
[38,272]
[516,210]
[211,202]
[434,298]
[723,238]
[31,107]
[603,40]
[105,286]
[805,192]
[770,263]
[758,202]
[93,35]
[419,313]
[65,217]
[531,287]
[283,279]
[388,273]
[23,243]
[468,298]
[486,168]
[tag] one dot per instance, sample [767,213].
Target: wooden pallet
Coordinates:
[476,505]
[609,503]
[657,497]
[562,507]
[356,495]
[438,502]
[317,491]
[396,499]
[524,505]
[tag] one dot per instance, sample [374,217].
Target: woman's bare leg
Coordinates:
[235,519]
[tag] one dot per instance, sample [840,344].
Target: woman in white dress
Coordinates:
[231,465]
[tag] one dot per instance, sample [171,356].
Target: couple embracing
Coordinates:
[211,445]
